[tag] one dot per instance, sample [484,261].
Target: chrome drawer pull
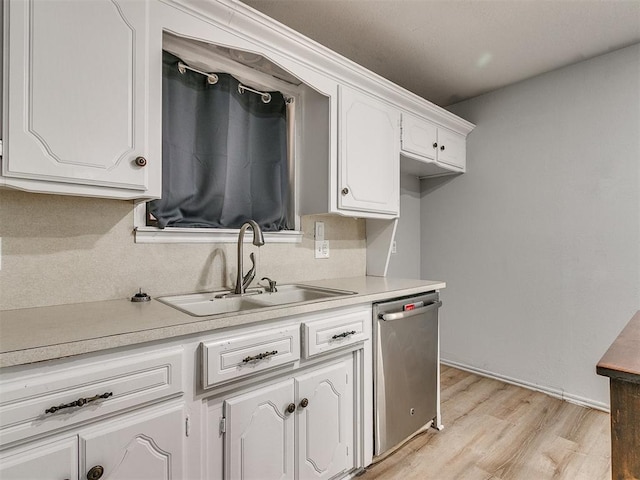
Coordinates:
[260,356]
[81,402]
[344,335]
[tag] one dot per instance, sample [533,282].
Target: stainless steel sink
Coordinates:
[213,303]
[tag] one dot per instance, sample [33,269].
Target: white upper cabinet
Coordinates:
[429,149]
[368,154]
[82,112]
[452,148]
[419,137]
[76,119]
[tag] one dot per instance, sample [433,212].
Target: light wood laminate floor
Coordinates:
[494,430]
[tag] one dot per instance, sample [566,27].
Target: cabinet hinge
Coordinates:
[187,426]
[223,425]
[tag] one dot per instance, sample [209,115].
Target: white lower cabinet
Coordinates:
[50,460]
[298,428]
[143,445]
[259,438]
[147,414]
[118,415]
[325,425]
[147,445]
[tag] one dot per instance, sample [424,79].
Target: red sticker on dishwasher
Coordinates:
[409,306]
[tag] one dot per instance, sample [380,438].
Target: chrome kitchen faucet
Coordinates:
[258,240]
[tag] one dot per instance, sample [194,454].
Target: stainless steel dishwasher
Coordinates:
[406,368]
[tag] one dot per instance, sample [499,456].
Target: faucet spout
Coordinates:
[258,240]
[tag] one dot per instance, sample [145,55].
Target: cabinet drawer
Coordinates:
[38,403]
[331,333]
[234,357]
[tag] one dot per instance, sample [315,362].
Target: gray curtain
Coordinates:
[224,154]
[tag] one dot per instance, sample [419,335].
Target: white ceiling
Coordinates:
[450,50]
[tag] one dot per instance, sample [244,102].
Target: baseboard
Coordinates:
[552,392]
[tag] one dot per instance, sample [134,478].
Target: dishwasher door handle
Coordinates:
[387,317]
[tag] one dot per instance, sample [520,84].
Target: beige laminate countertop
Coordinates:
[46,333]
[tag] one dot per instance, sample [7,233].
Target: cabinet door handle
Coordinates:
[95,472]
[435,145]
[81,402]
[345,191]
[291,407]
[343,335]
[442,148]
[140,161]
[260,356]
[304,402]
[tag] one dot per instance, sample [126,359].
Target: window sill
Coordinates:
[207,235]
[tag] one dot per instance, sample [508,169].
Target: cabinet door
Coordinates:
[51,460]
[369,154]
[419,136]
[147,445]
[259,443]
[325,424]
[452,148]
[78,88]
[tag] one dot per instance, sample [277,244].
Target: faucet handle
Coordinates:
[272,285]
[248,278]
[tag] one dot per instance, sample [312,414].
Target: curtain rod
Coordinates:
[212,79]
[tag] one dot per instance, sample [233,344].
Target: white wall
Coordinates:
[405,263]
[539,242]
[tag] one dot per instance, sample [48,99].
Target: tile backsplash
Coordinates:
[60,249]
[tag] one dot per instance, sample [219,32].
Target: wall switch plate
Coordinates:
[319,231]
[322,249]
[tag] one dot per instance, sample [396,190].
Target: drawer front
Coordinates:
[42,402]
[235,357]
[335,332]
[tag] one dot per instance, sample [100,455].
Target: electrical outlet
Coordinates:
[322,249]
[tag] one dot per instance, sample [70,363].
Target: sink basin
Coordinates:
[213,303]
